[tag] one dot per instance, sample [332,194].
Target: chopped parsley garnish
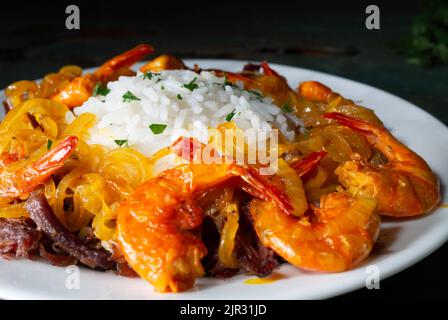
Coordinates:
[157,128]
[121,142]
[129,96]
[230,116]
[257,94]
[100,90]
[286,107]
[226,82]
[179,97]
[49,144]
[149,75]
[191,85]
[162,87]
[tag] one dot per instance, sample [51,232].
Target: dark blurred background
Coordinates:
[408,56]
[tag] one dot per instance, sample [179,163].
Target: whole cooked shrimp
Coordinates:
[77,91]
[19,182]
[334,237]
[155,225]
[404,186]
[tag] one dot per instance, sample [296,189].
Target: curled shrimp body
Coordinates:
[404,186]
[15,183]
[153,230]
[155,226]
[334,237]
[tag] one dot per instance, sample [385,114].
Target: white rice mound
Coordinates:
[165,100]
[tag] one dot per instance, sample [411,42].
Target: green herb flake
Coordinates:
[230,116]
[179,97]
[257,94]
[49,144]
[100,90]
[149,75]
[157,128]
[129,96]
[286,107]
[226,82]
[191,85]
[121,142]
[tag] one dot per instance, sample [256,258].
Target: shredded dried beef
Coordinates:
[211,237]
[55,258]
[42,214]
[47,238]
[19,238]
[252,256]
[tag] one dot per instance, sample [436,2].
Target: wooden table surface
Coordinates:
[328,38]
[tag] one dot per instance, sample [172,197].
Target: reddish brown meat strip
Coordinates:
[42,214]
[18,238]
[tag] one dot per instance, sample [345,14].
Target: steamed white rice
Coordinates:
[164,100]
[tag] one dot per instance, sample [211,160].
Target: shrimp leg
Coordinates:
[306,164]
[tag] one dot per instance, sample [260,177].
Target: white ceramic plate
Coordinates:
[403,242]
